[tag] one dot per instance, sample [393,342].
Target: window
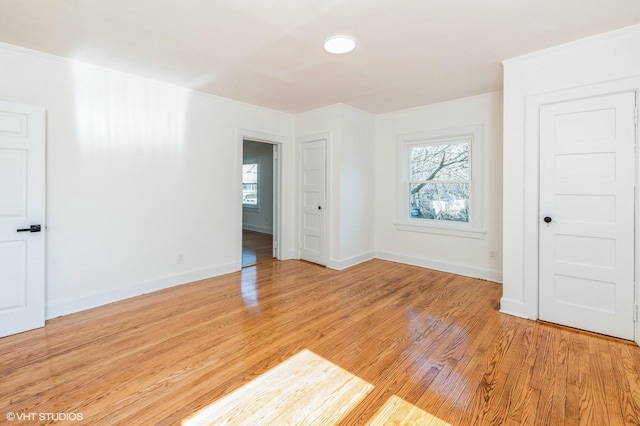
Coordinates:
[250,184]
[440,182]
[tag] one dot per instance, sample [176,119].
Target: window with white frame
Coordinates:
[439,176]
[250,184]
[440,182]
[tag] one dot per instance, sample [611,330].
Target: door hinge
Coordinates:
[635,313]
[636,116]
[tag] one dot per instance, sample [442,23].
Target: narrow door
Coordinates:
[312,199]
[587,213]
[22,214]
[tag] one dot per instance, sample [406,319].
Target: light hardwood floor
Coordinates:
[432,340]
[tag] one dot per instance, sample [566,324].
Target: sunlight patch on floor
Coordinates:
[397,411]
[305,389]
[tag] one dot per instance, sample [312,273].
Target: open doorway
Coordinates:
[259,206]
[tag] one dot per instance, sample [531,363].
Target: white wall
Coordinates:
[603,58]
[140,172]
[443,252]
[261,219]
[350,153]
[137,172]
[357,194]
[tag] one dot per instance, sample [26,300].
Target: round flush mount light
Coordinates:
[339,44]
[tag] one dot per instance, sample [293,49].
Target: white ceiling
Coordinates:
[269,52]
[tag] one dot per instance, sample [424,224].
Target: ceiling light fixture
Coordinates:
[339,44]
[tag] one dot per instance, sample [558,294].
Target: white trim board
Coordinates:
[351,261]
[69,306]
[467,271]
[512,307]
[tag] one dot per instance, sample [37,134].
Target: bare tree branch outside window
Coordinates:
[439,177]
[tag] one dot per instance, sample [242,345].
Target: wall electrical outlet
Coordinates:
[181,258]
[492,255]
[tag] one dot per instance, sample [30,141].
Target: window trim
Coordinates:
[472,229]
[253,207]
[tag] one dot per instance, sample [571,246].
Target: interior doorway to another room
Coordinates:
[259,195]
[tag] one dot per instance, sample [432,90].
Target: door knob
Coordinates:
[32,228]
[547,219]
[319,207]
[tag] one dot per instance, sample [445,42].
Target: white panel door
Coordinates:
[587,213]
[22,210]
[313,165]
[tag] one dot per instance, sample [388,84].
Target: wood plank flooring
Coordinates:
[430,343]
[256,247]
[304,390]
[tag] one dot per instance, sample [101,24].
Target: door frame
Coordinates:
[531,193]
[279,142]
[326,136]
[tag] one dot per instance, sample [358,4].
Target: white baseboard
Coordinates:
[69,306]
[289,254]
[466,271]
[513,307]
[256,228]
[349,262]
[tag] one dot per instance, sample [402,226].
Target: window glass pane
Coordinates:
[439,162]
[250,184]
[439,201]
[249,173]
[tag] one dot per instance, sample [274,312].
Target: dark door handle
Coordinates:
[319,207]
[33,228]
[547,219]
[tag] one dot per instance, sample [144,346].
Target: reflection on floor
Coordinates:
[256,247]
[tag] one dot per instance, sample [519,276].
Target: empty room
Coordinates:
[313,212]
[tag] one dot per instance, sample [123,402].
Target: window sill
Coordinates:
[475,233]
